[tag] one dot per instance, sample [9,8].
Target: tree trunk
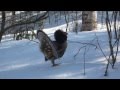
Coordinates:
[1,34]
[89,20]
[2,25]
[13,20]
[13,17]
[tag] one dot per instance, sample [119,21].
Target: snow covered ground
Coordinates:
[23,60]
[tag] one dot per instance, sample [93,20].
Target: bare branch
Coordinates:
[83,43]
[27,22]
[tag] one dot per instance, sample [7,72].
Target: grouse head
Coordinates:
[60,36]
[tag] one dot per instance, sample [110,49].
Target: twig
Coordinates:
[85,45]
[91,42]
[102,50]
[82,43]
[115,42]
[78,51]
[106,71]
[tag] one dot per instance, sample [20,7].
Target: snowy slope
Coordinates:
[22,59]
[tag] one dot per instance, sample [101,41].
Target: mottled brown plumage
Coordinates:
[60,45]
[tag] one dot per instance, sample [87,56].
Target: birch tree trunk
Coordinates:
[89,20]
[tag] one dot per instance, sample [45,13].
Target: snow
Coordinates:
[23,60]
